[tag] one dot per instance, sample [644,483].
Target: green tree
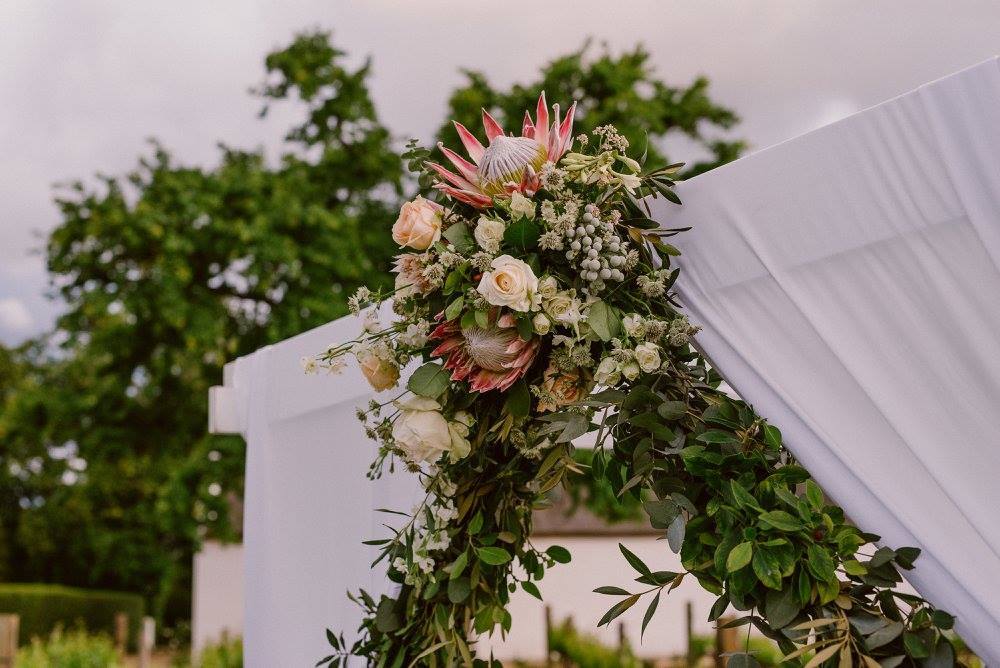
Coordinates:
[167,274]
[622,90]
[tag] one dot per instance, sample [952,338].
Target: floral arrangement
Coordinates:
[537,296]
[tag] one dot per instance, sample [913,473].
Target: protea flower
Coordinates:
[491,358]
[509,163]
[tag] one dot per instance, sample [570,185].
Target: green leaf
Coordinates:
[612,591]
[458,566]
[458,590]
[943,655]
[634,561]
[518,401]
[780,520]
[525,327]
[744,499]
[767,568]
[662,512]
[532,589]
[942,619]
[454,309]
[559,554]
[781,607]
[915,646]
[522,235]
[884,635]
[675,533]
[460,237]
[618,608]
[386,619]
[820,563]
[494,556]
[815,495]
[718,608]
[603,320]
[476,523]
[430,380]
[650,611]
[739,557]
[715,436]
[742,660]
[672,410]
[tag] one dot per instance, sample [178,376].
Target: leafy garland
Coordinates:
[540,303]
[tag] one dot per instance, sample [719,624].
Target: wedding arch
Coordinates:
[842,282]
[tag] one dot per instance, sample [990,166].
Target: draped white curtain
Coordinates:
[848,286]
[848,283]
[308,503]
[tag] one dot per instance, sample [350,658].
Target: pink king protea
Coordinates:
[489,359]
[509,163]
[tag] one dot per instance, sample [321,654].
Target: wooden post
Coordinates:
[548,636]
[9,626]
[689,627]
[147,640]
[121,632]
[726,640]
[621,637]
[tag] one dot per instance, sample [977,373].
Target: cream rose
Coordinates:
[607,372]
[521,206]
[564,308]
[648,357]
[548,287]
[489,233]
[458,429]
[634,325]
[418,225]
[512,283]
[541,323]
[420,431]
[631,370]
[381,374]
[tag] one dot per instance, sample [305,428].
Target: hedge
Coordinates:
[43,607]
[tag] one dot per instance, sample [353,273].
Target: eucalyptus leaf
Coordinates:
[430,380]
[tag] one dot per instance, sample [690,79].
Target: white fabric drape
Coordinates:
[308,503]
[848,283]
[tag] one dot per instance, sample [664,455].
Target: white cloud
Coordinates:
[15,317]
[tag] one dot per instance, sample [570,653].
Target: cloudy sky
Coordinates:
[83,83]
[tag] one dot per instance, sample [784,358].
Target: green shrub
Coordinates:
[44,608]
[586,651]
[226,654]
[69,650]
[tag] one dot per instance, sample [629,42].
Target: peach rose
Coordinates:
[564,387]
[380,373]
[418,225]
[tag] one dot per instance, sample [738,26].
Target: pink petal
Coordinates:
[493,128]
[469,141]
[565,134]
[477,200]
[552,134]
[465,168]
[527,128]
[452,177]
[541,119]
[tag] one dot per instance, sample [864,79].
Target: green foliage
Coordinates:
[224,654]
[593,492]
[44,609]
[586,651]
[75,649]
[166,274]
[621,90]
[756,530]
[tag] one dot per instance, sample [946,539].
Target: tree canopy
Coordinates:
[107,477]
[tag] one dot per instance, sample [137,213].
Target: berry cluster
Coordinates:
[600,251]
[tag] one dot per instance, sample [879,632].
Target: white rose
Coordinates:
[489,233]
[418,225]
[634,325]
[564,308]
[648,357]
[607,372]
[521,206]
[381,374]
[420,431]
[541,323]
[631,370]
[548,287]
[512,283]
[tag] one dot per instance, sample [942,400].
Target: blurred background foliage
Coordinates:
[107,477]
